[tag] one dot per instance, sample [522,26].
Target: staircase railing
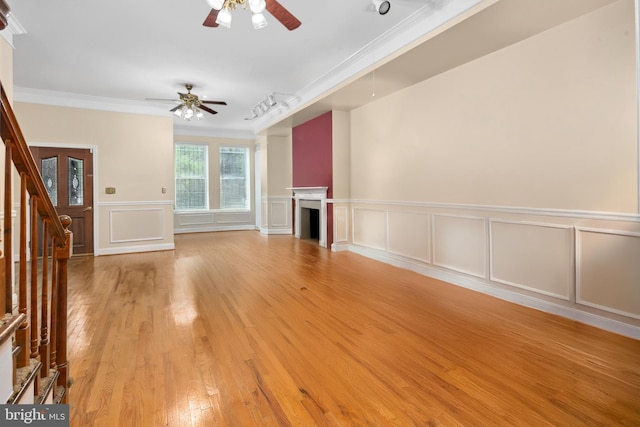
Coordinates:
[35,305]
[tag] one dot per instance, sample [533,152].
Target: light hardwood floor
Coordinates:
[241,329]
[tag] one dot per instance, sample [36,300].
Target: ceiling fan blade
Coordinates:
[207,109]
[283,15]
[176,108]
[210,20]
[213,102]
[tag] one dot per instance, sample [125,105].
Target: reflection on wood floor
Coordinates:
[242,329]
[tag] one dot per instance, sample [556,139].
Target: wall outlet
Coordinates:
[164,190]
[110,190]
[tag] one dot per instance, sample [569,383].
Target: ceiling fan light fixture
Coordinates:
[216,4]
[259,21]
[224,18]
[199,114]
[381,6]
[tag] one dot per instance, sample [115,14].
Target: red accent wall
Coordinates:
[312,148]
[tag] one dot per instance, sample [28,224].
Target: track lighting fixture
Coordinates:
[266,105]
[381,6]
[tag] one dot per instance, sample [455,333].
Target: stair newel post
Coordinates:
[44,318]
[22,334]
[64,253]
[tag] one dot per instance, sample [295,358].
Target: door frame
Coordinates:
[94,151]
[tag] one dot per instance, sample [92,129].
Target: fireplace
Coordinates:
[311,213]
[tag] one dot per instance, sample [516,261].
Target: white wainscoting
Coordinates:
[532,256]
[194,219]
[608,270]
[136,225]
[556,261]
[410,235]
[340,224]
[277,215]
[370,228]
[459,244]
[213,220]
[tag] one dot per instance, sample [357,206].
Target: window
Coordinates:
[191,177]
[234,178]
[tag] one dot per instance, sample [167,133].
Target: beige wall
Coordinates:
[133,153]
[276,177]
[341,154]
[6,67]
[549,123]
[214,219]
[515,174]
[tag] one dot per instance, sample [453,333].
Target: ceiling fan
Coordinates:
[190,105]
[221,13]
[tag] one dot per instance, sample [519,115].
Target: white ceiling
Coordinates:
[112,55]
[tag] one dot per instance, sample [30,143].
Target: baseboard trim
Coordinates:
[276,231]
[212,229]
[134,249]
[474,284]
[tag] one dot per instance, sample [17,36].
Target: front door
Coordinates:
[68,177]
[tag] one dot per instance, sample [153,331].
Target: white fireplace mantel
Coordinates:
[311,193]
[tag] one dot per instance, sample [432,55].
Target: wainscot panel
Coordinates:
[608,270]
[214,220]
[191,219]
[341,224]
[536,257]
[370,228]
[410,235]
[136,225]
[459,244]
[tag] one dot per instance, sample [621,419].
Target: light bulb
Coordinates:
[178,112]
[224,18]
[259,21]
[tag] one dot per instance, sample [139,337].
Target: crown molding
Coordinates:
[74,100]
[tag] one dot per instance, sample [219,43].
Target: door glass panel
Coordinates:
[49,169]
[75,182]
